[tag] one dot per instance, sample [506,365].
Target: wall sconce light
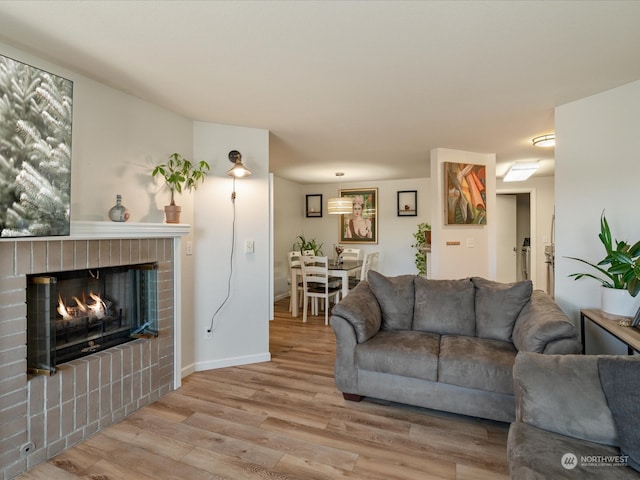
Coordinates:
[339,205]
[238,170]
[520,172]
[545,140]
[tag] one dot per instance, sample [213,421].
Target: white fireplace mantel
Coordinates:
[88,230]
[81,230]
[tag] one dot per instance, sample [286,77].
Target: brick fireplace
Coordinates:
[40,416]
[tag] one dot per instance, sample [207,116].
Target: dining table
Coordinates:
[340,270]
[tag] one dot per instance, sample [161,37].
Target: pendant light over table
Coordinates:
[339,205]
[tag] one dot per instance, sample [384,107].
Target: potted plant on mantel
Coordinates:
[180,174]
[620,270]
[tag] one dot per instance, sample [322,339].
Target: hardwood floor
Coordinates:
[283,420]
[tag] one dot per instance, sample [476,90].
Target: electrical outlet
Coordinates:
[189,248]
[208,333]
[249,246]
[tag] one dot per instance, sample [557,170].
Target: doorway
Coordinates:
[515,256]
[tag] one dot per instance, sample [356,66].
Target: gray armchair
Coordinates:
[564,426]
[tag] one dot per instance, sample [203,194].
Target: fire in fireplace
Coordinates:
[73,314]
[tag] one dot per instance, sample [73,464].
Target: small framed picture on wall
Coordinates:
[314,205]
[407,203]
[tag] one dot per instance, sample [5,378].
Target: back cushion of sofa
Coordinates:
[498,306]
[395,297]
[444,306]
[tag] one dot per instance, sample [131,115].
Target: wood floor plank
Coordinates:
[362,446]
[106,470]
[473,472]
[313,452]
[197,434]
[271,408]
[232,415]
[129,434]
[226,467]
[384,468]
[48,471]
[298,467]
[283,420]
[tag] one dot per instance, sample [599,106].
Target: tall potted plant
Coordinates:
[619,273]
[423,240]
[179,175]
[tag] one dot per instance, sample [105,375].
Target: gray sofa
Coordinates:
[572,415]
[443,344]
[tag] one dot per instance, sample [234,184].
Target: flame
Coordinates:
[80,304]
[62,310]
[97,309]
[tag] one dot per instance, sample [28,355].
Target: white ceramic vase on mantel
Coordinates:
[618,302]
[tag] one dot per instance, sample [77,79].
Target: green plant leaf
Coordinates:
[623,262]
[181,174]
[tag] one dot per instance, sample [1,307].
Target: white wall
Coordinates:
[117,138]
[395,234]
[597,168]
[461,261]
[241,327]
[289,204]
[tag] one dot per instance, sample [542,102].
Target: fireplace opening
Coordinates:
[76,313]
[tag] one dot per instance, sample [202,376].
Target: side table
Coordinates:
[630,336]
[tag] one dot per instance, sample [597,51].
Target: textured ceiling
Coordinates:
[367,88]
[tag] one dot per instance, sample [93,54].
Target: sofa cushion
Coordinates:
[541,324]
[543,383]
[474,362]
[537,454]
[401,352]
[498,306]
[395,297]
[444,306]
[620,379]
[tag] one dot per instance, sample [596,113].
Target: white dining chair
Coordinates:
[370,262]
[293,258]
[318,285]
[351,254]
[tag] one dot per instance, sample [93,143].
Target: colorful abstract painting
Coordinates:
[466,194]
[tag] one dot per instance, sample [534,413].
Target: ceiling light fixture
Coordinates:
[339,205]
[520,172]
[238,170]
[548,140]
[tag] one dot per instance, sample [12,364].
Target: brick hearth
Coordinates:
[41,416]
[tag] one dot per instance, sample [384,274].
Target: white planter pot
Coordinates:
[619,302]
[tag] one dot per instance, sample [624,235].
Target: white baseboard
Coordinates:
[232,362]
[188,370]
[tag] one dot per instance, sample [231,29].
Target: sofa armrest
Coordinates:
[361,309]
[562,394]
[543,327]
[345,371]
